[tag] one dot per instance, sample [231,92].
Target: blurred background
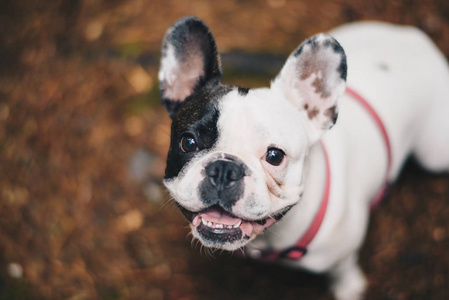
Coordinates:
[83,140]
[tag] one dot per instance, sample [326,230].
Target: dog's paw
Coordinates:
[348,281]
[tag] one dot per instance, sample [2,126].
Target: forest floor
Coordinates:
[83,141]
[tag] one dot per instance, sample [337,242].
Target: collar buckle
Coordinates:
[293,252]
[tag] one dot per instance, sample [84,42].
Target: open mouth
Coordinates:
[218,221]
[216,227]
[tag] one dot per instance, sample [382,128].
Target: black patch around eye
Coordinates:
[199,116]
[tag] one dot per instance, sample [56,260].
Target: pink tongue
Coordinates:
[216,216]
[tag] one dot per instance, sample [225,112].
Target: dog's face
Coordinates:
[236,159]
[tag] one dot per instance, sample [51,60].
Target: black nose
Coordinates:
[223,174]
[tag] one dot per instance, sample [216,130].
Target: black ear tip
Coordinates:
[182,26]
[326,41]
[187,26]
[189,20]
[343,67]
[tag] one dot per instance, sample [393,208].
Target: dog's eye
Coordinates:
[275,156]
[188,143]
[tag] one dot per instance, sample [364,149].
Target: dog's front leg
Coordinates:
[347,279]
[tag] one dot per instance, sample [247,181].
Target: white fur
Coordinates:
[412,98]
[404,77]
[247,129]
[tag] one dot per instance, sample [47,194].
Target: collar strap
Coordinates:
[384,190]
[299,249]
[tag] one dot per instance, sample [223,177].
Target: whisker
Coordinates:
[163,130]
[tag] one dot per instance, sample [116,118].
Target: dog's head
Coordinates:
[236,159]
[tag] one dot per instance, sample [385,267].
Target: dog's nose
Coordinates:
[224,174]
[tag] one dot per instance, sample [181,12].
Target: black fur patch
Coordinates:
[313,43]
[197,117]
[243,91]
[343,67]
[331,113]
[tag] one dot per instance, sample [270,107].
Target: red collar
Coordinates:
[299,249]
[384,190]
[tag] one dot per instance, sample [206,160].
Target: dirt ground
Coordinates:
[83,141]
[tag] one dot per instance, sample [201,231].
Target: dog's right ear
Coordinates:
[190,59]
[313,79]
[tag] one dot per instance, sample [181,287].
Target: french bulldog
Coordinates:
[260,169]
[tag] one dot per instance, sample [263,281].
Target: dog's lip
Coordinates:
[248,228]
[217,220]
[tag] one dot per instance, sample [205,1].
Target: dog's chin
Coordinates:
[216,228]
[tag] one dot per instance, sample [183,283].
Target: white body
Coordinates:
[239,158]
[405,78]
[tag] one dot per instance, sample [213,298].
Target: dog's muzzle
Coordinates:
[222,187]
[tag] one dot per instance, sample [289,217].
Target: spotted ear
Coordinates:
[189,60]
[313,78]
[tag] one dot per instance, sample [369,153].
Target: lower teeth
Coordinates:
[220,226]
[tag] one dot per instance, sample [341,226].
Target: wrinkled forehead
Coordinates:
[259,119]
[244,124]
